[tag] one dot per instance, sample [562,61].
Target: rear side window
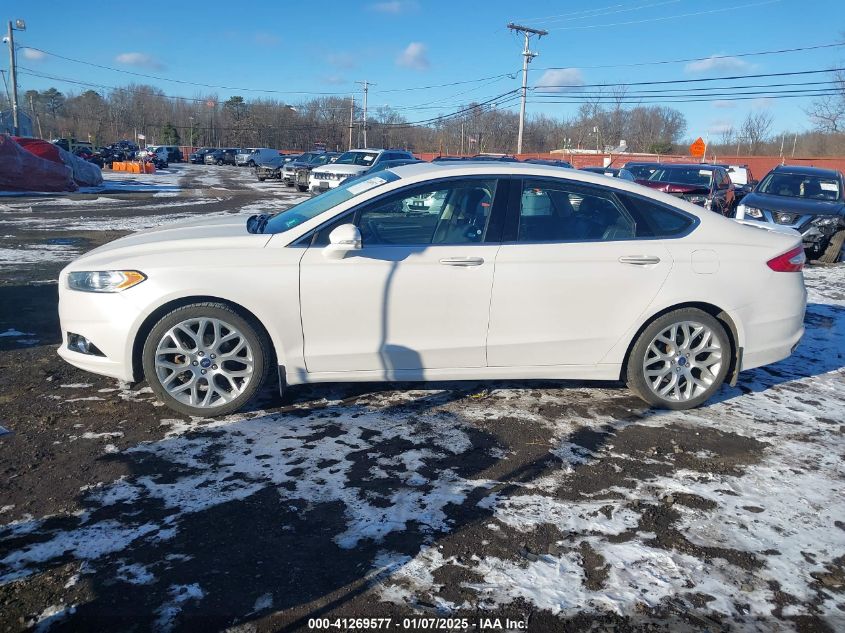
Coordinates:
[557,211]
[653,219]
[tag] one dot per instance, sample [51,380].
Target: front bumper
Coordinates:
[107,320]
[266,172]
[814,236]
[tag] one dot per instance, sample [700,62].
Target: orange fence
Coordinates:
[134,167]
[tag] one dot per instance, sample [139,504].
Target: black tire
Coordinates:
[260,179]
[635,372]
[219,163]
[302,188]
[251,163]
[252,332]
[833,252]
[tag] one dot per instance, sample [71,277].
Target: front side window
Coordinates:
[559,212]
[456,212]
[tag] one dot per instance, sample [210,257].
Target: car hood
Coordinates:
[794,205]
[200,234]
[334,168]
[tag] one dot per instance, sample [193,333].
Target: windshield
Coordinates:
[800,186]
[641,172]
[311,208]
[683,176]
[356,158]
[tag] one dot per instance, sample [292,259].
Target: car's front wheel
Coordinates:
[302,188]
[679,360]
[205,359]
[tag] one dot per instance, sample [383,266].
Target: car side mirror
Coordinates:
[343,240]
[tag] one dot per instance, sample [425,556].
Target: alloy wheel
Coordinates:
[204,362]
[682,361]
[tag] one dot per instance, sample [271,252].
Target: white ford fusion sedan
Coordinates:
[441,272]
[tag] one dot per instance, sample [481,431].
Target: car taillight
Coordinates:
[790,262]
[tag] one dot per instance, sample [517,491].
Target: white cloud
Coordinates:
[561,80]
[724,105]
[33,55]
[414,56]
[342,60]
[717,62]
[394,7]
[142,60]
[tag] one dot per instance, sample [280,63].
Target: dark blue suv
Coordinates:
[808,199]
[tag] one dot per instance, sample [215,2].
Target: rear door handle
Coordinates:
[639,260]
[462,261]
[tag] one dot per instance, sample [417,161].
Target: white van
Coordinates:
[256,155]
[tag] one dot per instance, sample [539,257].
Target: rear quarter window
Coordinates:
[654,219]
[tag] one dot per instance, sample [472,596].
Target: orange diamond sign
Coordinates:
[696,150]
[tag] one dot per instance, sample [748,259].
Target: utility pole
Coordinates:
[366,85]
[527,56]
[37,118]
[351,118]
[19,25]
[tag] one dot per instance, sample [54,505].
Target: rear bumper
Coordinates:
[773,331]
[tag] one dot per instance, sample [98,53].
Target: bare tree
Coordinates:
[756,128]
[828,113]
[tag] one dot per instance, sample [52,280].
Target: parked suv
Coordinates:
[289,169]
[302,173]
[224,156]
[174,154]
[707,186]
[198,157]
[252,156]
[272,167]
[807,199]
[354,163]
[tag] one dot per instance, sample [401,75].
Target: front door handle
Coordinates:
[462,261]
[639,260]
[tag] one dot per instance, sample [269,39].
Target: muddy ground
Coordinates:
[559,506]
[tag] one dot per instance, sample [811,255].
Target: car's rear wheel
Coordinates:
[679,360]
[261,179]
[302,188]
[205,359]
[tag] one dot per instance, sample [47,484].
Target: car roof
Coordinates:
[808,171]
[445,169]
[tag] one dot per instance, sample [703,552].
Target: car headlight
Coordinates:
[752,212]
[826,220]
[104,280]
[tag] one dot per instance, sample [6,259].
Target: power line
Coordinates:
[680,81]
[596,14]
[701,100]
[668,17]
[832,84]
[699,59]
[263,90]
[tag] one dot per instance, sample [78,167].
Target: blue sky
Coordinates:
[325,46]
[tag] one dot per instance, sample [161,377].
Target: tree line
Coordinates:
[208,120]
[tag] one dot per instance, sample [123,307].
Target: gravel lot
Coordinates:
[568,506]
